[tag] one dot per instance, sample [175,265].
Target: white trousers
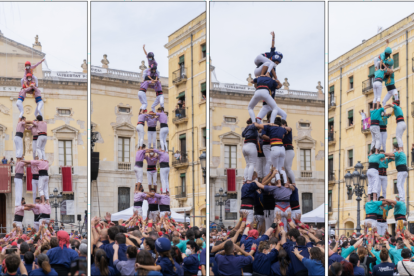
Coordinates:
[265,62]
[163,213]
[139,172]
[393,92]
[158,100]
[36,225]
[269,216]
[141,134]
[278,158]
[401,177]
[163,138]
[164,174]
[372,221]
[260,166]
[377,91]
[46,220]
[250,155]
[250,215]
[262,95]
[266,109]
[18,224]
[35,187]
[376,137]
[18,143]
[142,96]
[18,190]
[34,147]
[41,144]
[289,155]
[401,127]
[38,110]
[268,155]
[383,137]
[19,104]
[284,216]
[152,139]
[382,185]
[153,215]
[381,228]
[373,181]
[44,186]
[152,177]
[139,209]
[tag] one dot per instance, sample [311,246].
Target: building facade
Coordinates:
[65,111]
[228,116]
[350,91]
[187,120]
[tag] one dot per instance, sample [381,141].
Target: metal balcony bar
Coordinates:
[182,159]
[180,192]
[180,75]
[367,86]
[332,101]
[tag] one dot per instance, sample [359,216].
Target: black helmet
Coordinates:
[150,54]
[154,68]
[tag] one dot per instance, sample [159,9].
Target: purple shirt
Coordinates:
[163,156]
[151,121]
[162,117]
[279,193]
[141,117]
[162,199]
[152,200]
[140,155]
[20,126]
[152,63]
[139,197]
[151,161]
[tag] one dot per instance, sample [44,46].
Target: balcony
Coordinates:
[180,192]
[365,126]
[331,176]
[367,87]
[60,170]
[124,166]
[306,174]
[332,103]
[179,76]
[180,116]
[331,138]
[182,162]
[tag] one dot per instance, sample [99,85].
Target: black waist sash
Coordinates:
[374,122]
[152,128]
[151,168]
[36,217]
[380,218]
[400,119]
[164,165]
[383,128]
[20,134]
[139,163]
[138,203]
[371,216]
[35,137]
[43,173]
[247,203]
[402,168]
[18,176]
[44,216]
[390,87]
[373,166]
[153,207]
[163,125]
[400,217]
[35,177]
[382,171]
[18,218]
[165,208]
[288,146]
[42,134]
[294,205]
[250,140]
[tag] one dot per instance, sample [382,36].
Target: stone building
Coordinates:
[228,114]
[350,91]
[65,110]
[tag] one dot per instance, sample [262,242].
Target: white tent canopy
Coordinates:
[127,213]
[315,216]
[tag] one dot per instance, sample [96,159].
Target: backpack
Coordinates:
[364,265]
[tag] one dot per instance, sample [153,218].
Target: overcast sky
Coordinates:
[61,26]
[241,31]
[120,29]
[352,22]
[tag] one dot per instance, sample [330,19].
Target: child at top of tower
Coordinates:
[29,69]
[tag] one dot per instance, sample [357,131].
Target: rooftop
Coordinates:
[121,74]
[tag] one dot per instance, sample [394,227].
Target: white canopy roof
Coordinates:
[315,216]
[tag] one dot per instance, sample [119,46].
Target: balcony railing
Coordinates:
[182,161]
[180,75]
[124,166]
[365,127]
[180,192]
[180,116]
[332,102]
[367,87]
[331,176]
[331,137]
[306,174]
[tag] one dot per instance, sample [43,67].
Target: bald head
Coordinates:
[103,235]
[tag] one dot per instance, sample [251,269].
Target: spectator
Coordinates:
[101,266]
[61,257]
[177,155]
[354,260]
[4,160]
[11,164]
[44,267]
[386,267]
[13,263]
[125,267]
[405,266]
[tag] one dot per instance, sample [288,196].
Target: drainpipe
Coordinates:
[408,125]
[340,130]
[192,125]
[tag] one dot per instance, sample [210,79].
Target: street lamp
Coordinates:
[358,180]
[220,196]
[94,139]
[57,200]
[203,164]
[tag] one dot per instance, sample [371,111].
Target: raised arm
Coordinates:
[273,39]
[259,126]
[144,50]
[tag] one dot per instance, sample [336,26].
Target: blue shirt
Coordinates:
[229,265]
[275,270]
[397,111]
[400,209]
[4,161]
[400,158]
[40,272]
[248,190]
[314,267]
[379,74]
[294,198]
[389,80]
[96,272]
[250,132]
[375,158]
[335,257]
[271,53]
[385,162]
[383,269]
[203,256]
[262,262]
[384,120]
[61,256]
[297,265]
[371,207]
[275,134]
[178,269]
[248,242]
[376,114]
[359,271]
[167,268]
[191,263]
[270,83]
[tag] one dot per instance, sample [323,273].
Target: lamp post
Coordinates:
[203,164]
[94,138]
[357,179]
[220,202]
[57,200]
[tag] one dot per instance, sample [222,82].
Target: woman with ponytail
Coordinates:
[335,269]
[144,258]
[44,267]
[101,265]
[316,262]
[264,257]
[178,260]
[165,263]
[386,267]
[280,267]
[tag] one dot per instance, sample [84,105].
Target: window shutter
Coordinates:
[182,175]
[203,47]
[371,71]
[182,94]
[182,136]
[204,132]
[330,192]
[330,157]
[369,148]
[350,113]
[396,59]
[332,88]
[331,120]
[351,79]
[203,87]
[181,60]
[350,154]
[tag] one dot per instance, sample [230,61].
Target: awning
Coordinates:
[332,222]
[181,209]
[182,94]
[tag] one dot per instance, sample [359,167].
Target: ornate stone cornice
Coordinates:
[180,38]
